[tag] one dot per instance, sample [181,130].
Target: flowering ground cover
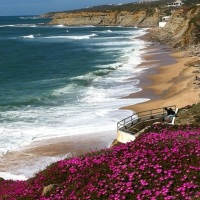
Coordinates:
[163,164]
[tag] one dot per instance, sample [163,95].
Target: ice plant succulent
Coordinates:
[161,164]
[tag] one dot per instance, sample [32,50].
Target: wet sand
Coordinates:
[40,154]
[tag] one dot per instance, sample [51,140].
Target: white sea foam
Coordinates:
[105,31]
[9,176]
[79,117]
[59,26]
[67,120]
[19,25]
[81,37]
[34,17]
[71,88]
[28,36]
[112,66]
[7,26]
[71,27]
[112,38]
[89,76]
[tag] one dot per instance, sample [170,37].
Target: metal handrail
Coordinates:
[136,117]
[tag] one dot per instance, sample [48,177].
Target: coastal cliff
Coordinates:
[124,18]
[182,31]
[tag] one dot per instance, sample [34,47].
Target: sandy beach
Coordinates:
[167,81]
[174,84]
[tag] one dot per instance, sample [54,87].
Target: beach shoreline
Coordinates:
[158,63]
[155,56]
[173,85]
[35,157]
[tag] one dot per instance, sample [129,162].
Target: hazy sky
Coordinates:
[35,7]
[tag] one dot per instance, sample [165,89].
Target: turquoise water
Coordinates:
[58,80]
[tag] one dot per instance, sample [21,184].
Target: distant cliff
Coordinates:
[181,31]
[146,14]
[123,18]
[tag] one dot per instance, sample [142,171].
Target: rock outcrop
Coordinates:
[48,189]
[124,18]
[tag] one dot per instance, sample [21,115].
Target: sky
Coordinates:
[37,7]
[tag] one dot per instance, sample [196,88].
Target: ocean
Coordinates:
[62,80]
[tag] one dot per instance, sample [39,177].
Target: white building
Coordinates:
[175,4]
[164,21]
[165,18]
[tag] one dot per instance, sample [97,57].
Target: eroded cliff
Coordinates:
[124,18]
[182,30]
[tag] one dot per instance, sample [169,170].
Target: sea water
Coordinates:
[64,80]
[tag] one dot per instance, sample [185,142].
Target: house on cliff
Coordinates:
[177,3]
[165,19]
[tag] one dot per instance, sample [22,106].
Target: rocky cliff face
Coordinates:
[181,31]
[140,18]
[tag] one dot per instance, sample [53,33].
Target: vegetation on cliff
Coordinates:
[134,7]
[182,30]
[190,2]
[130,7]
[189,115]
[196,23]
